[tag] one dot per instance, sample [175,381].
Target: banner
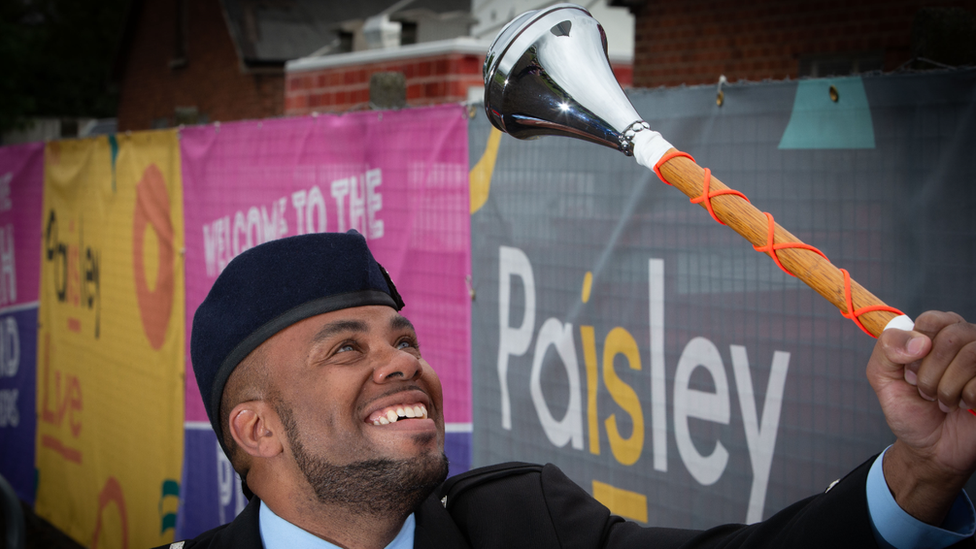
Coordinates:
[21,185]
[399,178]
[111,340]
[668,368]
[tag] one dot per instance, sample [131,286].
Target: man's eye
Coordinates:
[344,348]
[405,344]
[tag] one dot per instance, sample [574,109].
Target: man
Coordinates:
[318,392]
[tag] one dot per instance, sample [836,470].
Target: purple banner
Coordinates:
[21,185]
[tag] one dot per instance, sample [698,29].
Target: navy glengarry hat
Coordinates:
[272,286]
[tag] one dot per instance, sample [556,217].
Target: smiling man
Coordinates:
[317,391]
[360,412]
[319,395]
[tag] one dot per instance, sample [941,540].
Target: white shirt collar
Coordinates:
[278,533]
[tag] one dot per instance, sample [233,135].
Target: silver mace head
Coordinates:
[547,73]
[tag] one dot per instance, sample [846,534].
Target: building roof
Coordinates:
[274,31]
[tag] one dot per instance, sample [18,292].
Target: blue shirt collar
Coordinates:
[278,533]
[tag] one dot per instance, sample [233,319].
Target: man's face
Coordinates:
[362,410]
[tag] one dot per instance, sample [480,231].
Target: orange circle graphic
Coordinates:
[152,210]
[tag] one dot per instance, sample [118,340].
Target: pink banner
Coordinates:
[21,186]
[399,178]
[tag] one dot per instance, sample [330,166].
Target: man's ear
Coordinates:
[253,425]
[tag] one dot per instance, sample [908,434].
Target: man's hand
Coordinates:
[926,383]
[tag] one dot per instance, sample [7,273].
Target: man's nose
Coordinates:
[396,365]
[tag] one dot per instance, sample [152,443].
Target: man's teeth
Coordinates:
[394,414]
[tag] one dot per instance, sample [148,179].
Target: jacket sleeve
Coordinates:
[540,507]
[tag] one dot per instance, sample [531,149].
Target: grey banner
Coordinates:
[622,334]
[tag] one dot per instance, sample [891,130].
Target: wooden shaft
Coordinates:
[745,219]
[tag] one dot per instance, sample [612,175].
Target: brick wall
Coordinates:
[430,80]
[211,80]
[695,41]
[436,79]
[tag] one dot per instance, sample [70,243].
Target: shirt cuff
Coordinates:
[895,528]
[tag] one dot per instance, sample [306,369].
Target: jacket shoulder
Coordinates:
[242,533]
[207,540]
[524,505]
[458,485]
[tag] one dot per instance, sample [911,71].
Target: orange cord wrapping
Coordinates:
[665,158]
[855,314]
[707,196]
[771,247]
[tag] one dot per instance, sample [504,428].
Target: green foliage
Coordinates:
[57,58]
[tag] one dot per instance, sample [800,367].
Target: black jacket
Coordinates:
[533,506]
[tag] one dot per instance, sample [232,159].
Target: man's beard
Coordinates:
[372,486]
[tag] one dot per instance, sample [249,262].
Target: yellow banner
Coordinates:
[111,340]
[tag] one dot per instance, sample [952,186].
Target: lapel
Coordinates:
[244,532]
[435,527]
